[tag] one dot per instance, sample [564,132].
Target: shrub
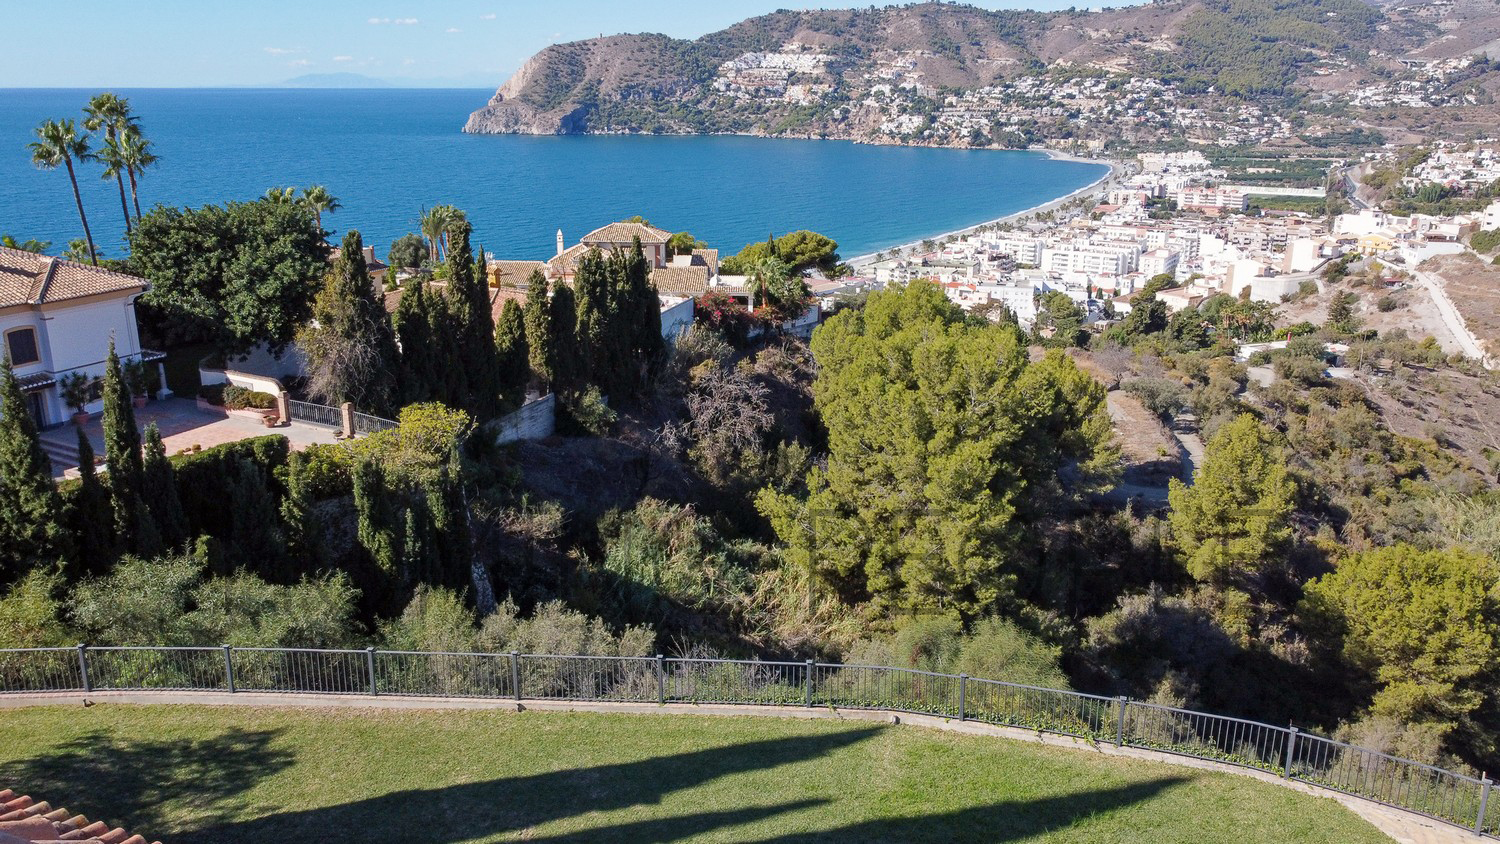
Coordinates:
[1162,396]
[587,412]
[235,398]
[330,470]
[1386,304]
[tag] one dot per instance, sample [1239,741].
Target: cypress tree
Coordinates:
[473,327]
[510,346]
[563,311]
[591,285]
[538,318]
[350,345]
[30,528]
[644,313]
[414,326]
[376,528]
[91,519]
[122,455]
[255,538]
[303,539]
[159,490]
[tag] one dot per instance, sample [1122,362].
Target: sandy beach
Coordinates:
[1098,185]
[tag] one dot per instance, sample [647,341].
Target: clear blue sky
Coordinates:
[205,43]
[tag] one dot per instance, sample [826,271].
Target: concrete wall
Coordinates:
[675,319]
[534,421]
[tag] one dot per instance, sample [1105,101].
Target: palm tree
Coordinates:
[38,246]
[78,250]
[319,200]
[112,114]
[59,144]
[434,224]
[113,157]
[136,155]
[763,274]
[281,196]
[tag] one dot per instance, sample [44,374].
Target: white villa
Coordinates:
[57,317]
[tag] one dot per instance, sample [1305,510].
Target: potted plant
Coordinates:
[75,388]
[138,379]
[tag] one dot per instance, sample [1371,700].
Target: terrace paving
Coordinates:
[183,425]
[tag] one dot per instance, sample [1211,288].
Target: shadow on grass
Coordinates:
[1012,820]
[473,811]
[1008,820]
[142,784]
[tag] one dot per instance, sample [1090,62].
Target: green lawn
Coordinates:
[201,774]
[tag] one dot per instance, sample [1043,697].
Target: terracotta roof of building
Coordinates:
[500,295]
[681,281]
[512,273]
[24,819]
[566,262]
[710,257]
[625,233]
[27,278]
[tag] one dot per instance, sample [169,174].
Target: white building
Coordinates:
[1159,261]
[1207,199]
[57,317]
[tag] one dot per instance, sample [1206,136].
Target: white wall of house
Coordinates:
[74,337]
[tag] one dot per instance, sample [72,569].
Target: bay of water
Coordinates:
[386,154]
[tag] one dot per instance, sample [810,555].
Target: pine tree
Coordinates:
[563,311]
[350,345]
[510,345]
[474,324]
[1235,517]
[30,528]
[538,318]
[92,518]
[122,455]
[159,490]
[420,379]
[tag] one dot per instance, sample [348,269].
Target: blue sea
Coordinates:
[387,154]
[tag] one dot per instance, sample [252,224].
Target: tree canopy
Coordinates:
[235,275]
[939,429]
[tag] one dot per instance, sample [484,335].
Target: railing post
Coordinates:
[228,670]
[1484,802]
[515,673]
[1291,748]
[370,666]
[807,694]
[346,420]
[83,666]
[661,680]
[1120,721]
[963,696]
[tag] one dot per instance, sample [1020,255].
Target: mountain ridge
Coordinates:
[839,73]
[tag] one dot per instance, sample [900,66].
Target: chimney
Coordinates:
[559,242]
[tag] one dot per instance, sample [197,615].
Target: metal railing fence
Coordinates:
[1443,795]
[315,414]
[364,423]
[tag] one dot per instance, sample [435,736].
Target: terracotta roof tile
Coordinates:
[512,273]
[625,233]
[24,819]
[28,278]
[681,281]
